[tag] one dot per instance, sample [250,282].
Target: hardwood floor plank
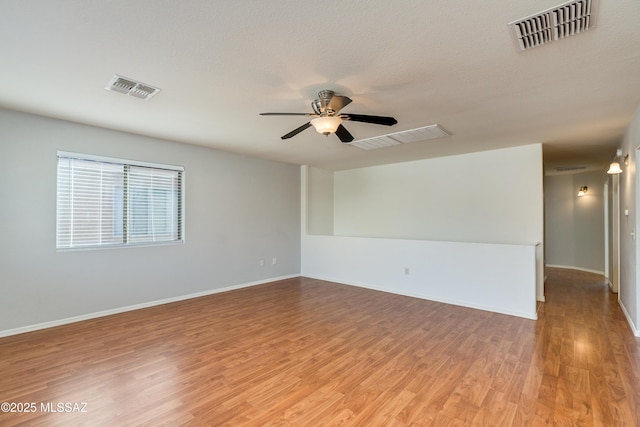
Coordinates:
[308,352]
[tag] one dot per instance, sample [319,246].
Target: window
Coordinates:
[108,202]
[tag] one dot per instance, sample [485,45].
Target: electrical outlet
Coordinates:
[261,263]
[274,260]
[407,270]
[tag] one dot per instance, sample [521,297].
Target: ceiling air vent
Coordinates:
[553,24]
[131,87]
[569,168]
[404,137]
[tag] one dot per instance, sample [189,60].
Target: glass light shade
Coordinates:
[326,125]
[614,168]
[582,191]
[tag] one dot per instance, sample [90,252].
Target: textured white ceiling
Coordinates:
[220,63]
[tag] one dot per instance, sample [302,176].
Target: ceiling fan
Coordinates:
[327,120]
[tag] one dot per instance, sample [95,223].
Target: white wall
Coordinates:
[491,198]
[238,210]
[486,276]
[628,288]
[486,197]
[574,233]
[320,202]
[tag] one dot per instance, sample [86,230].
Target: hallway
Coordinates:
[587,357]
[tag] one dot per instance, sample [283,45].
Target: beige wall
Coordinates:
[574,226]
[238,210]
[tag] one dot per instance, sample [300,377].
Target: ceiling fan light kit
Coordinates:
[326,125]
[326,119]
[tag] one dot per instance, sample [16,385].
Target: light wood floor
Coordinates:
[305,352]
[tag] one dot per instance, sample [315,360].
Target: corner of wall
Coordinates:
[629,246]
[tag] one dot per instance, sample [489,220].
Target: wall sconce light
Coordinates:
[614,167]
[582,191]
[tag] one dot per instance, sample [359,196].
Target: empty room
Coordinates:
[374,213]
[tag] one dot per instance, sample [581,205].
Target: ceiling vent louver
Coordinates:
[569,168]
[131,87]
[404,137]
[565,20]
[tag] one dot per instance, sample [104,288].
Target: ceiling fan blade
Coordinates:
[288,114]
[338,102]
[344,134]
[378,120]
[296,131]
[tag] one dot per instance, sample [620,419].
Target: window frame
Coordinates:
[126,163]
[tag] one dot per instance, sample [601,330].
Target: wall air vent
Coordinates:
[131,87]
[404,137]
[565,20]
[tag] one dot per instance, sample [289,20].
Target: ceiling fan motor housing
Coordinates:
[320,105]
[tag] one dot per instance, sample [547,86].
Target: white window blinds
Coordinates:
[102,202]
[153,204]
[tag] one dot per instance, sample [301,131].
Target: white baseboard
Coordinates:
[540,298]
[571,267]
[635,330]
[60,322]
